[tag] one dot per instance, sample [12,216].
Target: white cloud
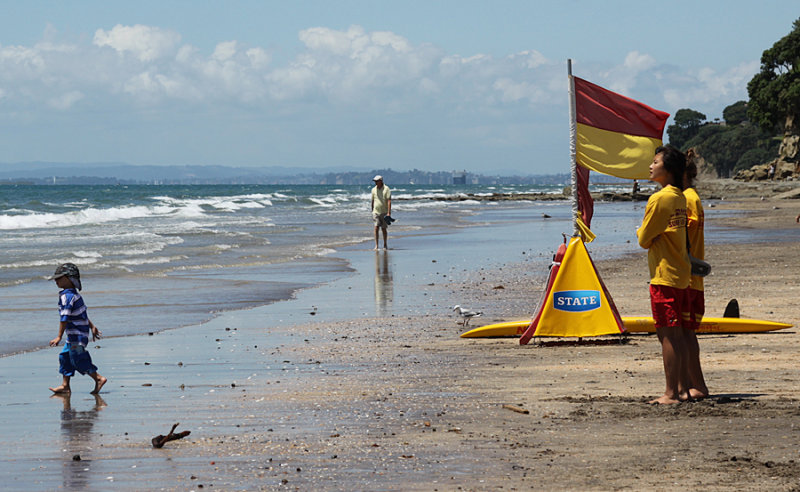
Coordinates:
[65,101]
[354,64]
[624,78]
[429,86]
[354,69]
[231,73]
[151,86]
[530,59]
[452,64]
[390,39]
[258,58]
[322,39]
[525,76]
[30,76]
[186,53]
[351,67]
[293,82]
[671,87]
[145,42]
[705,87]
[730,81]
[224,51]
[639,62]
[513,91]
[20,62]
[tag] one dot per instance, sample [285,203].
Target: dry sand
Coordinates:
[404,404]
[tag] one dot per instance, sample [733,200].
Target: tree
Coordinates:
[735,114]
[687,124]
[775,90]
[726,146]
[753,157]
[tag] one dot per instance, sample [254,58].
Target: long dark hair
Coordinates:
[691,167]
[674,163]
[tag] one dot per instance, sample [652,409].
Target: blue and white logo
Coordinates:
[576,301]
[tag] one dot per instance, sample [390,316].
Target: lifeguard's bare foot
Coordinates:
[99,382]
[664,400]
[696,394]
[60,390]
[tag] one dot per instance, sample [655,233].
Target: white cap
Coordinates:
[377,177]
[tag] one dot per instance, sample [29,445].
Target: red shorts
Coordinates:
[668,305]
[695,309]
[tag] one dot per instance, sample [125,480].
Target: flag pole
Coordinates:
[573,130]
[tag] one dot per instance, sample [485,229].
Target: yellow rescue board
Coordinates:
[638,324]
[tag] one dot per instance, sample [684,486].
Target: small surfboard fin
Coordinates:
[732,309]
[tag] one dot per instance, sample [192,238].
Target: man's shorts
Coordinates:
[695,309]
[668,305]
[379,220]
[75,358]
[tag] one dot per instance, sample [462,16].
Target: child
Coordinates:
[75,322]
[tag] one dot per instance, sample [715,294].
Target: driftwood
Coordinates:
[515,408]
[160,440]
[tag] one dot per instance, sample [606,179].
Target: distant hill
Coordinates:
[124,171]
[43,173]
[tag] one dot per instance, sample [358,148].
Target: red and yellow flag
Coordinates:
[615,135]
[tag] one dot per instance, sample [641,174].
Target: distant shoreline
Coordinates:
[713,189]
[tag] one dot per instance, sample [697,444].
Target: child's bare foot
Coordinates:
[664,400]
[61,390]
[98,383]
[99,402]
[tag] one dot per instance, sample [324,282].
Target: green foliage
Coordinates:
[735,114]
[773,106]
[687,123]
[775,91]
[704,133]
[730,148]
[753,157]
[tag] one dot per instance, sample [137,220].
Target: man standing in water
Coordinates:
[381,208]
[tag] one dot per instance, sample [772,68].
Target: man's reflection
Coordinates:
[384,286]
[76,434]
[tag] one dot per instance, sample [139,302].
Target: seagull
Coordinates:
[467,314]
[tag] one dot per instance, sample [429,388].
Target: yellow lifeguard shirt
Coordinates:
[663,234]
[696,219]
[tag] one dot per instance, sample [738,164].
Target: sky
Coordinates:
[435,85]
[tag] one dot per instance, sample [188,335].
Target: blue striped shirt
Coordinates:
[73,311]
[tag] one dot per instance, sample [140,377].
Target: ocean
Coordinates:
[155,257]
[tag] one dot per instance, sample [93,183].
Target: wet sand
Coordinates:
[399,402]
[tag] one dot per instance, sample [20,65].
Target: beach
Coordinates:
[362,383]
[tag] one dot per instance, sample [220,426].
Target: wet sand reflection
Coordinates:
[384,284]
[77,437]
